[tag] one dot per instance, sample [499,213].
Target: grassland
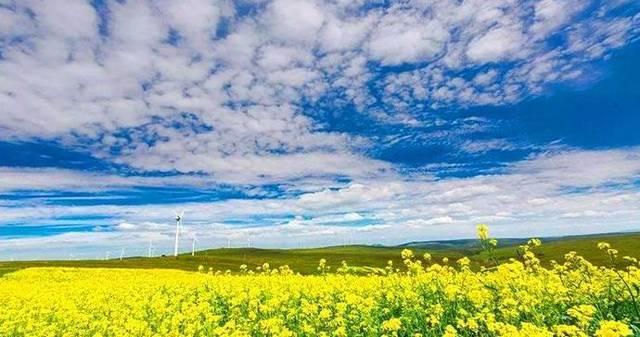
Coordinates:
[305,261]
[626,244]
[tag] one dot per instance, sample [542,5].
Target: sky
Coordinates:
[300,123]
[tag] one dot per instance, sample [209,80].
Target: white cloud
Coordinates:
[67,81]
[478,146]
[54,17]
[584,168]
[353,216]
[273,57]
[405,210]
[402,38]
[486,78]
[295,21]
[553,14]
[195,20]
[146,30]
[417,223]
[545,202]
[344,35]
[501,43]
[126,226]
[46,179]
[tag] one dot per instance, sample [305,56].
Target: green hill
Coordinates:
[626,244]
[300,260]
[306,260]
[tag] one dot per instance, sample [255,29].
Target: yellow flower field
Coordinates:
[421,298]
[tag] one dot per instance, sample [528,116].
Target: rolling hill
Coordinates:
[305,261]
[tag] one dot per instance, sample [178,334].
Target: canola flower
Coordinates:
[422,298]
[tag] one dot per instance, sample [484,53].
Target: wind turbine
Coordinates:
[150,249]
[178,227]
[121,254]
[193,245]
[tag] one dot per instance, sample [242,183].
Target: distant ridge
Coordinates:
[470,244]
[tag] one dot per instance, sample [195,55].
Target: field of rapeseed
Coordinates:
[420,298]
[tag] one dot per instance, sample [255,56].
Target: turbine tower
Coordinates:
[193,245]
[149,250]
[178,227]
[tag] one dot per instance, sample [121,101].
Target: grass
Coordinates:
[626,244]
[305,261]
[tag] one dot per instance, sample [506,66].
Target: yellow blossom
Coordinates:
[483,231]
[613,329]
[392,325]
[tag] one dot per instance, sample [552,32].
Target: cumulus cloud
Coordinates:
[204,58]
[399,39]
[501,43]
[552,14]
[294,21]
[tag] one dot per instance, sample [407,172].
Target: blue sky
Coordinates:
[294,123]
